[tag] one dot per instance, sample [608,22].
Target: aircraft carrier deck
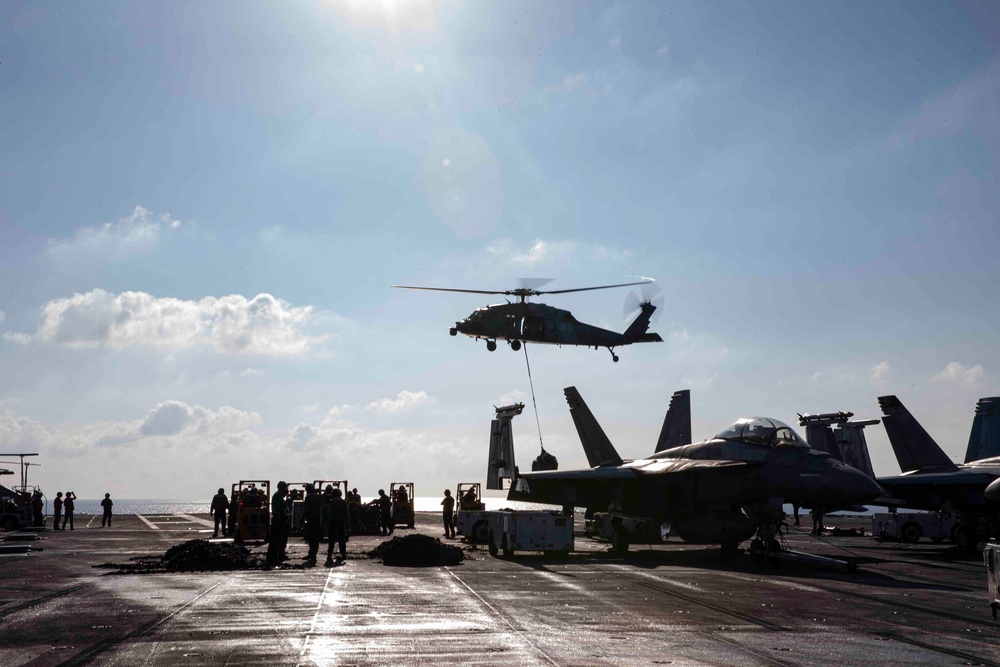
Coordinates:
[674,604]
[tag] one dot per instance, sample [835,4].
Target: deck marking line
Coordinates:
[312,626]
[503,618]
[148,522]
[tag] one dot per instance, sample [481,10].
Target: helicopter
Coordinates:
[522,321]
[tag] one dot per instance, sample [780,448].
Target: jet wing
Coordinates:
[639,469]
[940,478]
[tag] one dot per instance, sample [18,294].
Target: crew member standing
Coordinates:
[57,511]
[312,517]
[279,526]
[68,510]
[448,505]
[106,504]
[338,519]
[384,512]
[36,508]
[218,509]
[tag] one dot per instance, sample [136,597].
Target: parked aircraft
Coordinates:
[720,491]
[931,480]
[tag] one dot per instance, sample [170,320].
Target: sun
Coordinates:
[393,16]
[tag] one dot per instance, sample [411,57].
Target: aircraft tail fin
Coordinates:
[984,441]
[853,445]
[676,430]
[596,445]
[501,461]
[915,449]
[846,443]
[637,331]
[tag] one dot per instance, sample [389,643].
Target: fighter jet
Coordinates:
[720,491]
[932,481]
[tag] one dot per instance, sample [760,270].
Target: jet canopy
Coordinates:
[762,431]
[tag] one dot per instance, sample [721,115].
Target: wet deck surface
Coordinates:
[671,604]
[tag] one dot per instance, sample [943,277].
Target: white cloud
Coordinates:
[17,337]
[879,371]
[511,397]
[252,373]
[663,50]
[405,400]
[2,316]
[959,372]
[615,42]
[129,236]
[570,83]
[229,324]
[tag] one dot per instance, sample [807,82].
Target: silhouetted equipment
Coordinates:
[720,491]
[597,447]
[511,530]
[991,555]
[931,481]
[523,322]
[471,520]
[501,460]
[846,443]
[984,440]
[294,505]
[24,469]
[253,519]
[676,430]
[401,494]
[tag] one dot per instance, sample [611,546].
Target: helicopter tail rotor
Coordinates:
[647,293]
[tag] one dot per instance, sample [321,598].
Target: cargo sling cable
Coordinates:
[544,455]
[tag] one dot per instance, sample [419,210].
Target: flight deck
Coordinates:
[673,603]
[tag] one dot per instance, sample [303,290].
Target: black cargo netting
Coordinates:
[417,551]
[195,556]
[365,520]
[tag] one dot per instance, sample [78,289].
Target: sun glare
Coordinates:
[393,16]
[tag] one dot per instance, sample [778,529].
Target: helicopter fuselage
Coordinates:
[535,323]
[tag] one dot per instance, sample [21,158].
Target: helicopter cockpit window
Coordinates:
[478,315]
[762,431]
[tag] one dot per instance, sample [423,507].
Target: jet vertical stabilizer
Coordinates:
[501,461]
[676,430]
[853,445]
[915,449]
[984,441]
[599,450]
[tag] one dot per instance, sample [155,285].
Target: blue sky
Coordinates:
[202,206]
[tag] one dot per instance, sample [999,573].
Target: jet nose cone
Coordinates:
[850,486]
[993,491]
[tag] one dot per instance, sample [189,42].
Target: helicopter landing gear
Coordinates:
[515,345]
[614,357]
[491,345]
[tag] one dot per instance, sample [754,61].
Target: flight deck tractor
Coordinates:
[401,494]
[471,520]
[293,502]
[253,519]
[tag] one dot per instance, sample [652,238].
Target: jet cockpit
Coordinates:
[762,431]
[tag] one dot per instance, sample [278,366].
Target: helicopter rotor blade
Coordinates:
[587,289]
[449,289]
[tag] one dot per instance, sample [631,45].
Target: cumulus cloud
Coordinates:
[229,324]
[16,337]
[405,400]
[570,83]
[135,234]
[879,371]
[961,373]
[252,373]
